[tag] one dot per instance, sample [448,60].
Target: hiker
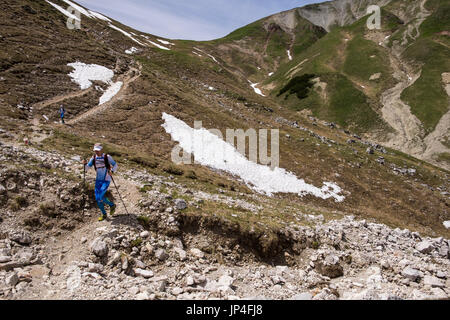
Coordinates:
[104,165]
[62,111]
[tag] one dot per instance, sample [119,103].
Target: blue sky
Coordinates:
[190,19]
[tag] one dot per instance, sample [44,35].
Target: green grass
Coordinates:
[444,157]
[349,107]
[359,63]
[427,97]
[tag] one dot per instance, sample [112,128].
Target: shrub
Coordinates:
[136,242]
[171,169]
[21,201]
[191,175]
[144,221]
[47,209]
[298,85]
[146,162]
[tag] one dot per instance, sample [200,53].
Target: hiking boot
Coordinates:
[112,210]
[102,217]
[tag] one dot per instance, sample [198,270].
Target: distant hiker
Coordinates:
[62,111]
[104,165]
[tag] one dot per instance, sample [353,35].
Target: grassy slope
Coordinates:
[345,66]
[427,97]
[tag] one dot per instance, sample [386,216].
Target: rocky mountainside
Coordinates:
[344,217]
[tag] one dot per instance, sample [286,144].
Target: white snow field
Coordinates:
[209,150]
[111,92]
[85,73]
[63,11]
[257,91]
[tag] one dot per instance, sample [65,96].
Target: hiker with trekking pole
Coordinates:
[105,166]
[62,112]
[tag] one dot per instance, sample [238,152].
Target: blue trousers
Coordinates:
[101,187]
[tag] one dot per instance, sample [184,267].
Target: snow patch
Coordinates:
[271,74]
[257,91]
[78,8]
[99,16]
[166,42]
[158,45]
[289,55]
[212,57]
[111,92]
[209,150]
[63,11]
[131,50]
[85,73]
[126,34]
[447,224]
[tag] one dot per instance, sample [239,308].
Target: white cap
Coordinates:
[98,147]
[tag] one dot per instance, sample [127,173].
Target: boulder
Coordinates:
[182,255]
[411,273]
[375,76]
[433,282]
[161,254]
[424,247]
[4,259]
[21,237]
[197,253]
[329,267]
[12,279]
[99,248]
[143,273]
[180,204]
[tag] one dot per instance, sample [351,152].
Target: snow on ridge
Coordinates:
[158,45]
[212,57]
[131,50]
[126,34]
[166,42]
[257,91]
[63,11]
[85,73]
[289,55]
[78,8]
[99,16]
[111,92]
[209,150]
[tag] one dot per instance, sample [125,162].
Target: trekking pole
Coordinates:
[119,194]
